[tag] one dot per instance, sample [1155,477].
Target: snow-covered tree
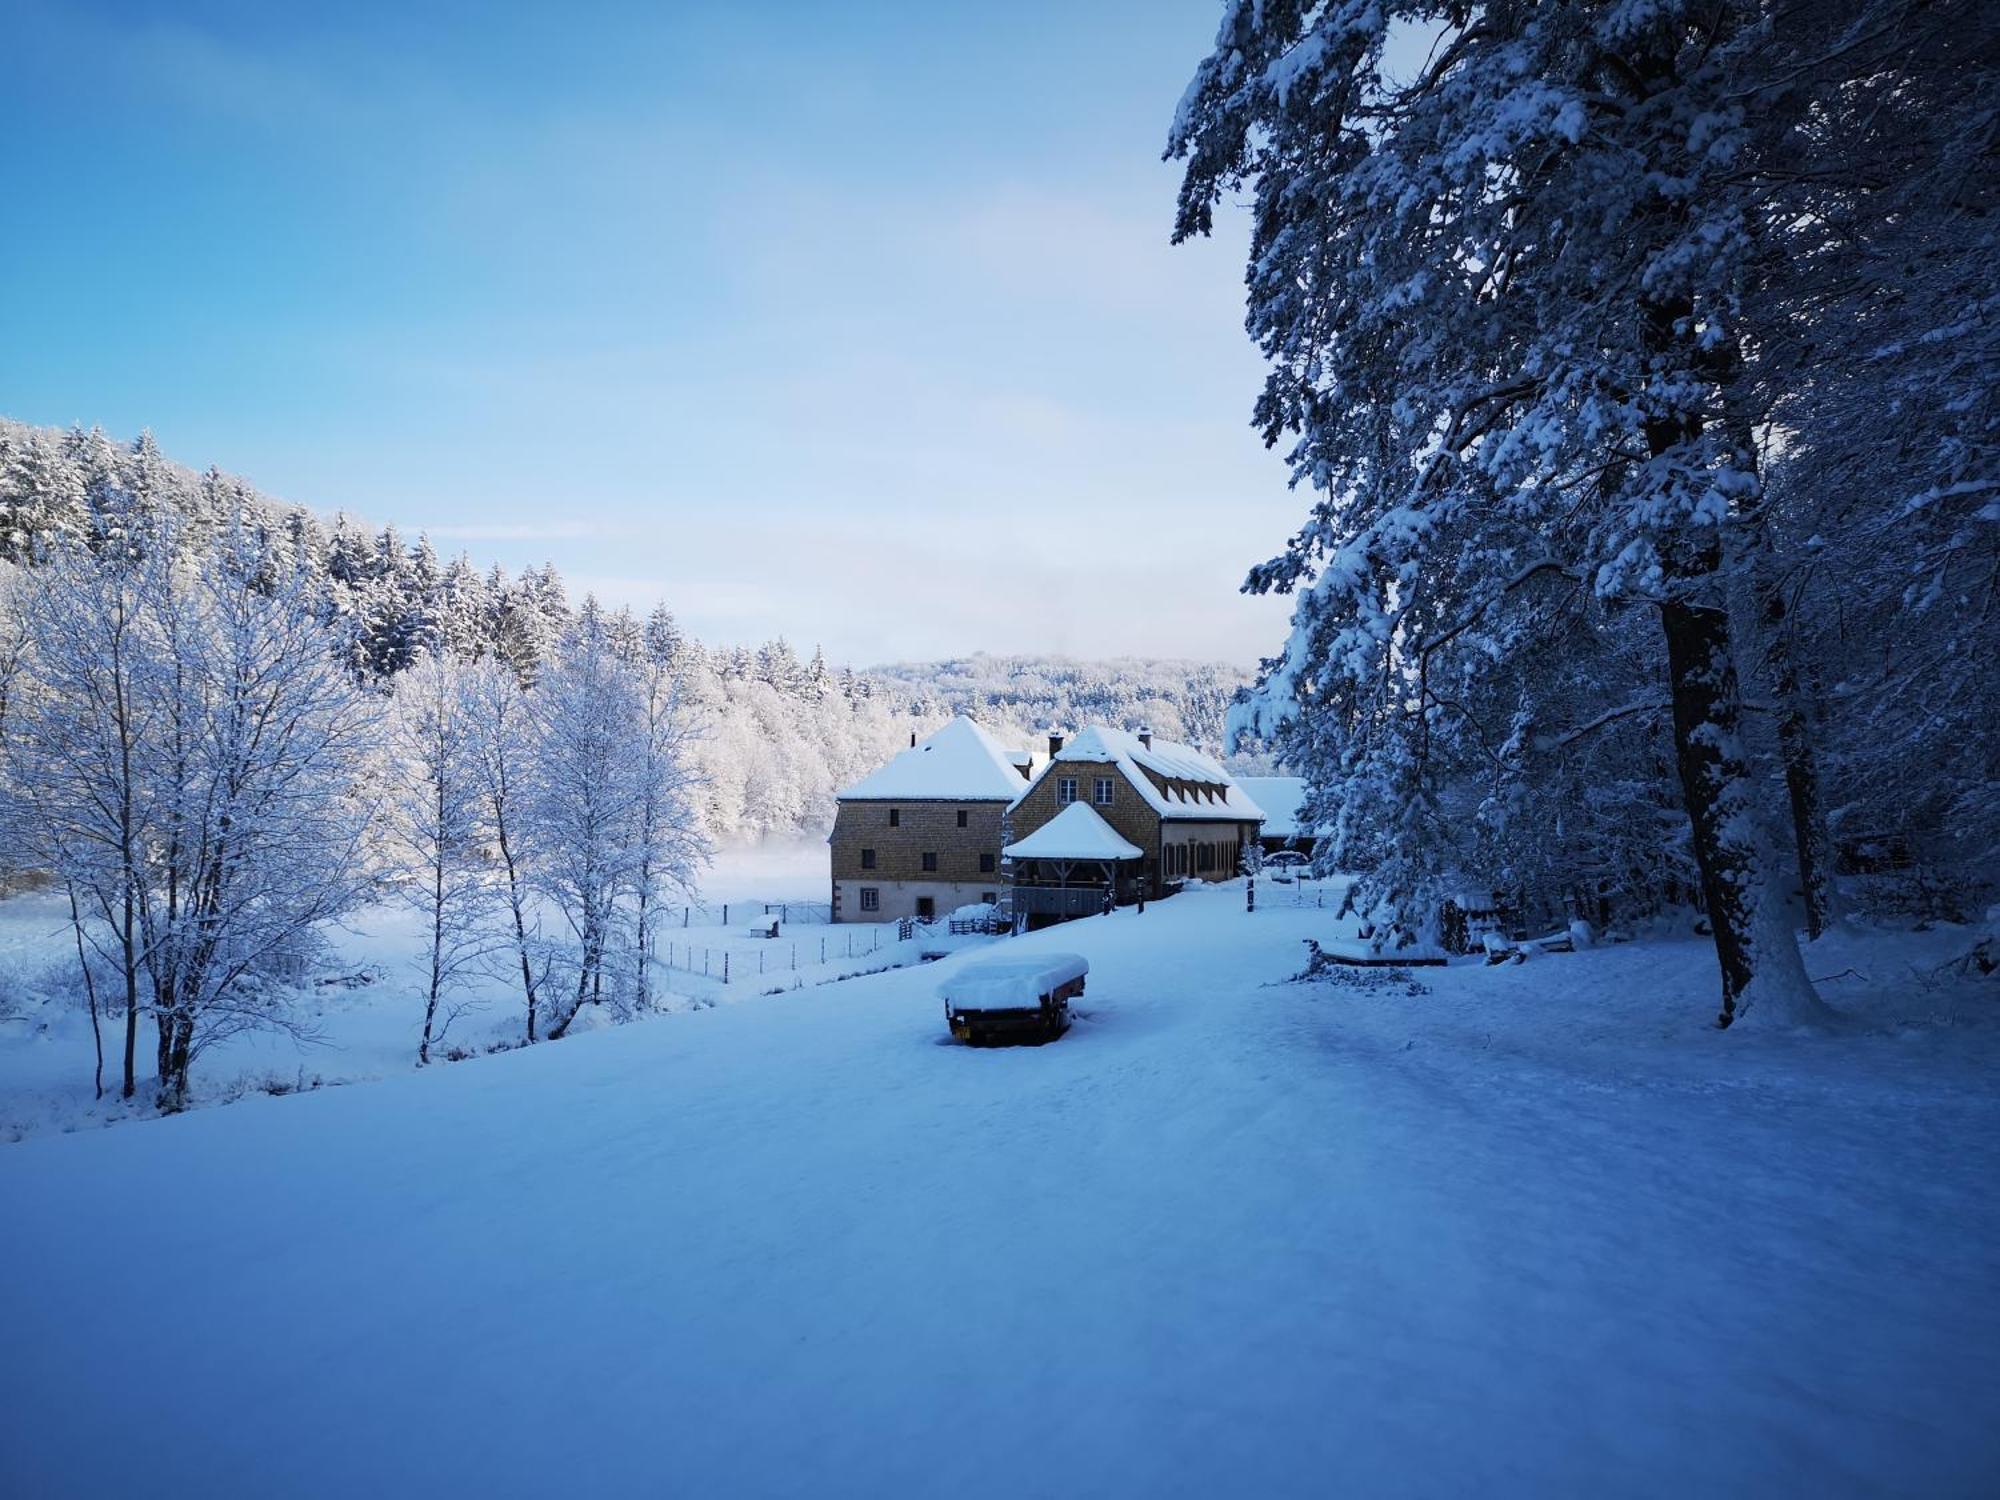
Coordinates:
[42,502]
[434,823]
[503,745]
[585,806]
[256,769]
[190,755]
[670,846]
[1502,301]
[80,750]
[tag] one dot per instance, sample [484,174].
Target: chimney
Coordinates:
[1146,736]
[1055,744]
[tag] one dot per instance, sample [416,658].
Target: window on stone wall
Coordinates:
[930,862]
[871,899]
[895,817]
[986,864]
[991,898]
[867,859]
[961,817]
[1065,789]
[1103,797]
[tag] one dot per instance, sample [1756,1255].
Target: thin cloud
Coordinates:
[523,531]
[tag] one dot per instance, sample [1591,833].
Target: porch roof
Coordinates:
[1077,832]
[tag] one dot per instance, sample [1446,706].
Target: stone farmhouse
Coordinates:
[921,836]
[1116,816]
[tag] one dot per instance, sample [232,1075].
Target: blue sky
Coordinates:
[855,322]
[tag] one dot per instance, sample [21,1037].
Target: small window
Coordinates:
[867,859]
[986,864]
[1065,789]
[961,817]
[895,817]
[990,898]
[871,899]
[1103,797]
[926,907]
[930,862]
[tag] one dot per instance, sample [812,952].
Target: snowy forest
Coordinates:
[1640,362]
[780,732]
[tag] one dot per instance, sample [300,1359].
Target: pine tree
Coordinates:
[1502,303]
[42,500]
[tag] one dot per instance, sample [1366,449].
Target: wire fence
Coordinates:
[774,957]
[697,914]
[1298,892]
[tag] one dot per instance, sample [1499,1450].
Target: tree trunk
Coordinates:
[437,950]
[89,990]
[128,956]
[1717,781]
[520,921]
[1714,782]
[1811,840]
[1811,836]
[180,1058]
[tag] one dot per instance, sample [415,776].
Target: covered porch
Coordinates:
[1075,865]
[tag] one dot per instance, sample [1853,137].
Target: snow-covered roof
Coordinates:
[1279,796]
[1212,793]
[1077,832]
[959,763]
[1011,983]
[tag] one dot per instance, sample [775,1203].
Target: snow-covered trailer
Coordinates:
[1023,998]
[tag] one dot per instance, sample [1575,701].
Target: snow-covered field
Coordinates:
[1537,1230]
[364,1009]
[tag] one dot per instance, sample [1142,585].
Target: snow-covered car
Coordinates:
[1286,865]
[1019,998]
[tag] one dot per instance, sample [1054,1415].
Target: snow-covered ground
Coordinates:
[1535,1230]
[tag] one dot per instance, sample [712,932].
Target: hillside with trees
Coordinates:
[776,733]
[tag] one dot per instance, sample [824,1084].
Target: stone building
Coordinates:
[1160,815]
[921,836]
